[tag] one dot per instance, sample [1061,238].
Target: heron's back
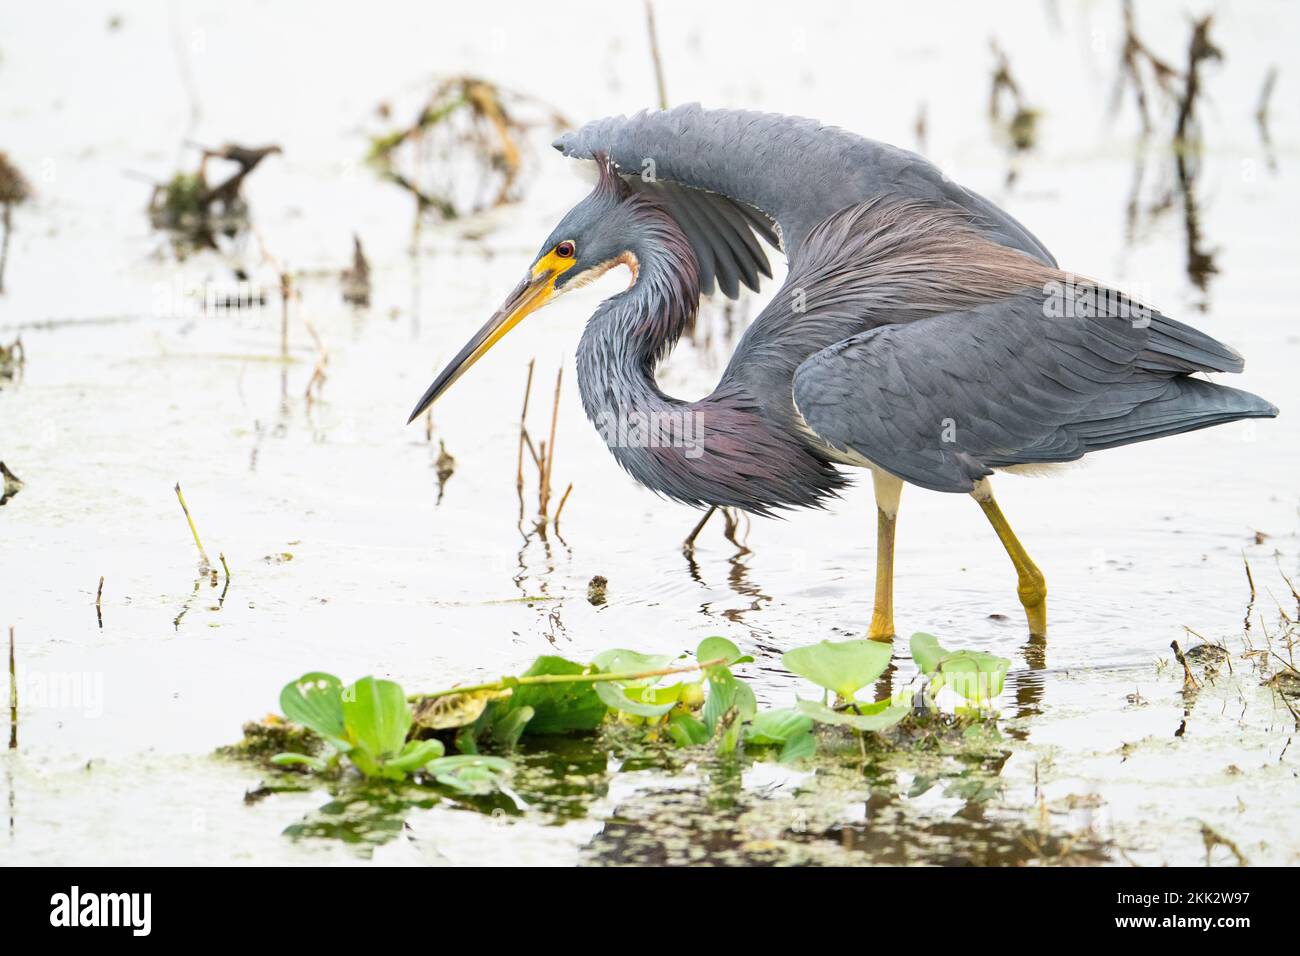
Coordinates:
[971,356]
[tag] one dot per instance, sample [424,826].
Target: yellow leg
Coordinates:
[888,490]
[1032,588]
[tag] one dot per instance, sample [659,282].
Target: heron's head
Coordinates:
[595,236]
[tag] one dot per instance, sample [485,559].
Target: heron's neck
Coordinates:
[631,333]
[721,450]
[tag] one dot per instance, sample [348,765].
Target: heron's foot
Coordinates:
[1033,596]
[882,627]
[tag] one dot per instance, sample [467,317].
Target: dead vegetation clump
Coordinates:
[271,735]
[14,191]
[194,214]
[466,149]
[10,484]
[13,358]
[1008,110]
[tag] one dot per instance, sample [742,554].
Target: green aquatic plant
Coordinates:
[975,675]
[845,667]
[367,722]
[373,726]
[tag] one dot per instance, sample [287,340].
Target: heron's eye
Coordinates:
[565,249]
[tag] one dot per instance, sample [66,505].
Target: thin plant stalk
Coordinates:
[507,683]
[660,86]
[563,498]
[548,460]
[523,433]
[204,563]
[13,694]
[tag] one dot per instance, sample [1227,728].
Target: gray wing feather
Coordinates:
[677,201]
[721,234]
[795,171]
[942,401]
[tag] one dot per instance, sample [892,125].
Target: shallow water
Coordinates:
[345,558]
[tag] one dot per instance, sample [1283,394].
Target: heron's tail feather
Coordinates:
[1184,405]
[1175,347]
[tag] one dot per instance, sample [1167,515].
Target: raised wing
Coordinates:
[942,401]
[727,169]
[721,232]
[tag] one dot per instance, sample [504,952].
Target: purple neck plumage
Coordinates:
[727,449]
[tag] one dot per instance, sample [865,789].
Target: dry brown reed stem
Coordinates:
[13,694]
[548,458]
[1199,50]
[286,290]
[1135,51]
[1188,677]
[563,498]
[1250,605]
[523,433]
[317,379]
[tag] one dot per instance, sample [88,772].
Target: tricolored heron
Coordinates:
[921,332]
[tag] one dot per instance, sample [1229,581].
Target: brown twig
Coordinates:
[548,458]
[1250,605]
[317,379]
[523,436]
[1198,51]
[286,291]
[13,694]
[1213,838]
[1135,51]
[563,498]
[1188,676]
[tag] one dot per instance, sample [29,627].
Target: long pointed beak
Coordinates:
[528,296]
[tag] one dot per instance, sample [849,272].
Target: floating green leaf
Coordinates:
[687,731]
[470,774]
[315,701]
[725,695]
[558,708]
[876,716]
[798,747]
[841,666]
[975,675]
[926,652]
[715,648]
[510,725]
[629,700]
[376,716]
[294,760]
[414,755]
[777,726]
